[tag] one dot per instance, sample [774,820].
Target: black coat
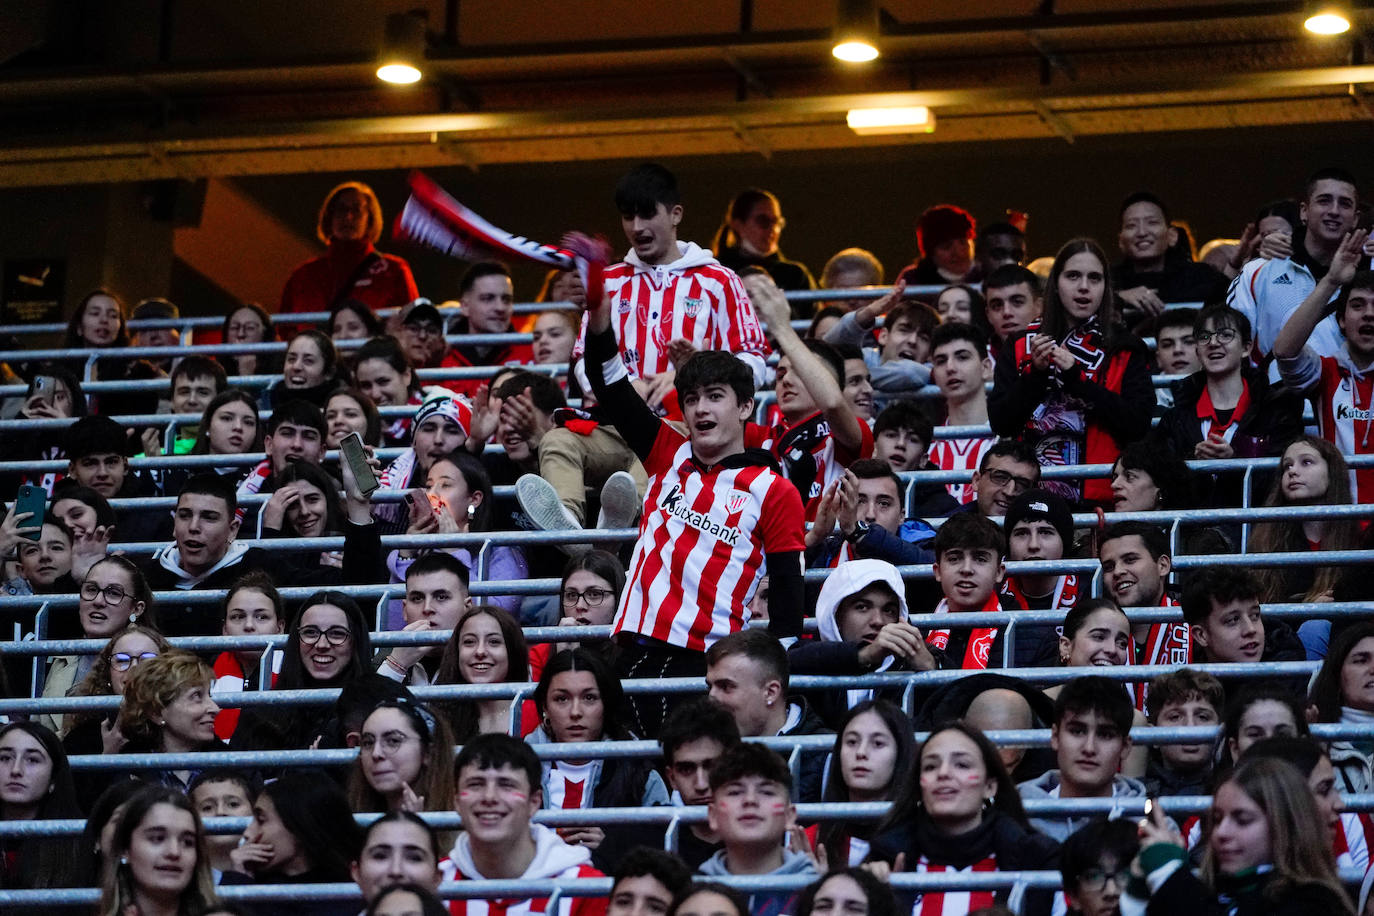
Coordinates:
[1184,892]
[1273,419]
[176,619]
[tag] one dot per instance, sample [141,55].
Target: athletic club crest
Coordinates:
[692,307]
[735,503]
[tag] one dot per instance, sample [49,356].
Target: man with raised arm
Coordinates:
[714,514]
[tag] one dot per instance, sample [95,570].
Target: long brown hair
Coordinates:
[1281,793]
[1289,537]
[117,891]
[1056,322]
[97,683]
[435,780]
[463,715]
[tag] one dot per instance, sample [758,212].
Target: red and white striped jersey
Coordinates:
[702,542]
[694,298]
[1353,840]
[808,453]
[554,859]
[960,455]
[568,785]
[953,903]
[1344,400]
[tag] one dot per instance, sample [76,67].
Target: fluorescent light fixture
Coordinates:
[403,49]
[871,121]
[1327,19]
[856,31]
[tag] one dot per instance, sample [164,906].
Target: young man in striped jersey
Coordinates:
[497,791]
[961,369]
[714,513]
[668,295]
[1341,386]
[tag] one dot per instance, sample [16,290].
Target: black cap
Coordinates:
[423,313]
[1038,504]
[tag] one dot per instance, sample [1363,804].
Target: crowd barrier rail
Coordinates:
[189,324]
[674,816]
[324,696]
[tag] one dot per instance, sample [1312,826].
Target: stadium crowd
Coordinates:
[1118,446]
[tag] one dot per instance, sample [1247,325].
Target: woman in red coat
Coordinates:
[350,223]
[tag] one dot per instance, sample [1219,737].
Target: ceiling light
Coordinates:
[856,31]
[1327,19]
[403,49]
[868,122]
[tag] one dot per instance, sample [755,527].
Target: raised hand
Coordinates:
[1347,257]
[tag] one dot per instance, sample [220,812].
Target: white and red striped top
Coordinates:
[808,453]
[1166,644]
[1343,397]
[960,455]
[694,298]
[702,542]
[553,859]
[953,903]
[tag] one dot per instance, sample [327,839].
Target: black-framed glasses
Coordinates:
[1222,335]
[335,636]
[113,593]
[1001,478]
[593,596]
[1095,879]
[123,661]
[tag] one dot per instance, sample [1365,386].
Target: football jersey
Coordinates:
[694,298]
[1344,400]
[960,455]
[809,455]
[953,903]
[703,537]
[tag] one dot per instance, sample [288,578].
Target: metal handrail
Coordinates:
[660,686]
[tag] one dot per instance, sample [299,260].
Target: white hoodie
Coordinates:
[169,558]
[849,579]
[553,859]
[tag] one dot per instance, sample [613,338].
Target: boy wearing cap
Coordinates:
[861,616]
[1039,526]
[441,425]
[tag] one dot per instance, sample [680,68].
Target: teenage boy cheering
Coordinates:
[714,513]
[497,791]
[1341,385]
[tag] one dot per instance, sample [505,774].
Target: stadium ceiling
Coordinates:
[142,89]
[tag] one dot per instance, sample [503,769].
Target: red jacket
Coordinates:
[320,282]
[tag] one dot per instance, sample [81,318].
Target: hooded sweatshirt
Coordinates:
[782,903]
[553,859]
[165,573]
[831,654]
[1047,786]
[694,298]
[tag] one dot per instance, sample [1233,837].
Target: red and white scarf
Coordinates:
[980,640]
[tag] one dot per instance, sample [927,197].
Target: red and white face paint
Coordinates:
[751,811]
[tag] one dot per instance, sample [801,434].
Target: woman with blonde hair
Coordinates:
[157,865]
[1268,851]
[350,223]
[167,709]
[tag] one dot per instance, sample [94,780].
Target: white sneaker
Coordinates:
[620,503]
[541,505]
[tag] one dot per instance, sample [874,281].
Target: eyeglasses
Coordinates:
[1222,335]
[113,593]
[425,330]
[593,596]
[336,636]
[1001,478]
[391,742]
[1095,879]
[123,661]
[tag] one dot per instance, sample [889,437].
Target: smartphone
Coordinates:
[43,387]
[31,499]
[351,447]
